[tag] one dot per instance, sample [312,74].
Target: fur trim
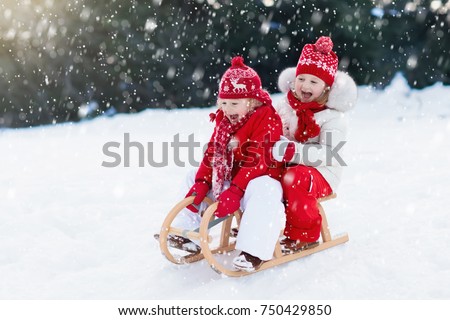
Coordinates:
[343,92]
[286,80]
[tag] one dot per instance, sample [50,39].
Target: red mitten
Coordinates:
[199,190]
[229,201]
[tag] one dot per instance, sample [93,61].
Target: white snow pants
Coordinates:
[263,216]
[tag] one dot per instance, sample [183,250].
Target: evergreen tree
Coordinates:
[68,60]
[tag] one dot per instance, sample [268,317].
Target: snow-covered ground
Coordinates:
[71,228]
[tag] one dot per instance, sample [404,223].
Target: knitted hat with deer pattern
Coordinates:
[319,60]
[241,81]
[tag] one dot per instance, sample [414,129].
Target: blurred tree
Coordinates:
[69,60]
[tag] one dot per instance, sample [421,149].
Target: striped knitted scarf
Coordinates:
[222,157]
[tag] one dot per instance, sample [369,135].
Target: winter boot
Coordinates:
[289,246]
[247,262]
[181,243]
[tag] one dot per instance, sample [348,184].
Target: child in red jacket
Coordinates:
[238,169]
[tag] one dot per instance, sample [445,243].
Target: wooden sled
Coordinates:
[166,229]
[215,247]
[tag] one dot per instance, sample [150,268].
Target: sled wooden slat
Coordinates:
[326,198]
[325,231]
[187,234]
[226,228]
[225,234]
[278,253]
[190,258]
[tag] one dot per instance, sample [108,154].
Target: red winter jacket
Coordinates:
[252,156]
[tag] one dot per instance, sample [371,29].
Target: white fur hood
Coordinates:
[343,92]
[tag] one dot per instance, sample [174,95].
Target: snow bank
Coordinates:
[71,228]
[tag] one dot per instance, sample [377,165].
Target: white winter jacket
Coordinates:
[323,152]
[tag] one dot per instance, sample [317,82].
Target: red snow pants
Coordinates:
[302,186]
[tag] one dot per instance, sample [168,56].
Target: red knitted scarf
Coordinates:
[222,159]
[307,127]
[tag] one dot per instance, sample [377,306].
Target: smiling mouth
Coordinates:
[233,117]
[306,95]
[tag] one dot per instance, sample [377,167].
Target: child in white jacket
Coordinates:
[317,95]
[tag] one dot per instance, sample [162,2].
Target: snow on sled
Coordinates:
[216,242]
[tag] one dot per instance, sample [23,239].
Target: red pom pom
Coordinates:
[324,45]
[237,62]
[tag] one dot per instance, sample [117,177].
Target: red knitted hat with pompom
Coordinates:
[241,81]
[319,60]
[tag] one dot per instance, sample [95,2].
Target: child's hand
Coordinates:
[284,150]
[199,190]
[229,201]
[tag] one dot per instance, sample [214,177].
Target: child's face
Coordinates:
[308,87]
[234,109]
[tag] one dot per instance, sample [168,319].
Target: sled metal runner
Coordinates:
[215,249]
